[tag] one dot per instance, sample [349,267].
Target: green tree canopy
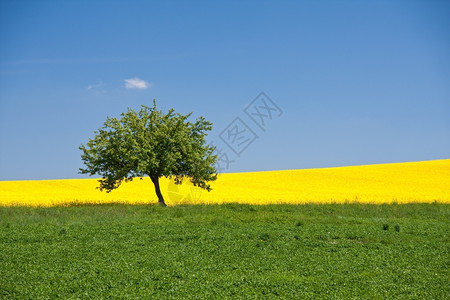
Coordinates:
[150,143]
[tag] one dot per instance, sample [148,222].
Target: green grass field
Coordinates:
[226,252]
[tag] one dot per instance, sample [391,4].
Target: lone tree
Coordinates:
[150,143]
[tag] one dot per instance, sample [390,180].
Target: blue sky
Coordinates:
[358,82]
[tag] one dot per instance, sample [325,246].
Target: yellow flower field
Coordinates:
[426,181]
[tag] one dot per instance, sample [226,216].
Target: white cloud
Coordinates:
[97,88]
[137,83]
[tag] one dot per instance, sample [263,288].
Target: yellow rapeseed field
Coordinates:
[426,181]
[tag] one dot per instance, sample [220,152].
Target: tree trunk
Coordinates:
[155,180]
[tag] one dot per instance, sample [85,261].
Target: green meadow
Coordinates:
[349,251]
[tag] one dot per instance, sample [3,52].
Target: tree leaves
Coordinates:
[150,143]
